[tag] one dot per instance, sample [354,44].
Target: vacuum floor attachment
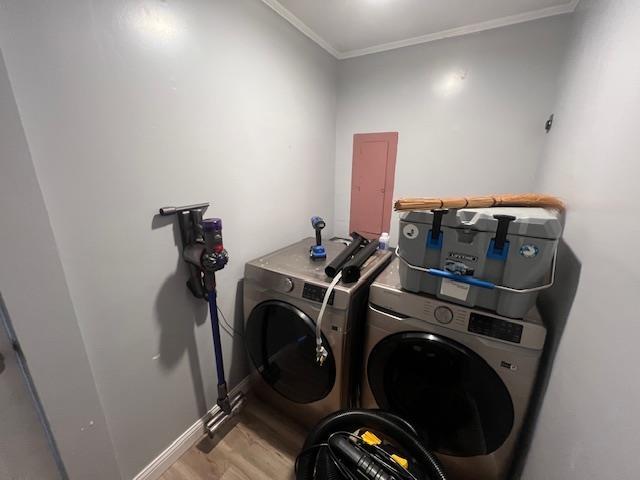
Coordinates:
[221,417]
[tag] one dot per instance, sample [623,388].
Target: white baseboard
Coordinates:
[184,442]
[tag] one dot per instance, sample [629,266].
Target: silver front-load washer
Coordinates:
[462,376]
[283,293]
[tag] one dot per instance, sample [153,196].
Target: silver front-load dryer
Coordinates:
[462,376]
[283,292]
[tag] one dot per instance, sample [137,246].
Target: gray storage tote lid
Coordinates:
[529,222]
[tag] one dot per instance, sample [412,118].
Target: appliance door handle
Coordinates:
[381,312]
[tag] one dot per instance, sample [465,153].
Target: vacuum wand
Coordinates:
[215,258]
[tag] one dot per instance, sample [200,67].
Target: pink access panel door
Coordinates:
[372,178]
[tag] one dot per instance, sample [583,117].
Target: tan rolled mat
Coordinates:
[505,200]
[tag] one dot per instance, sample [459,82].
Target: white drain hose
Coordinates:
[321,352]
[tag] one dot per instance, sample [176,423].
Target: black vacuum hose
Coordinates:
[345,255]
[349,420]
[326,468]
[351,269]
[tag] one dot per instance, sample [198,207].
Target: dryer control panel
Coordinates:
[495,327]
[316,293]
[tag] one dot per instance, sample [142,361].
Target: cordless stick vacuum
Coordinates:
[204,251]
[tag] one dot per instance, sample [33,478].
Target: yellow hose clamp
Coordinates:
[403,462]
[370,438]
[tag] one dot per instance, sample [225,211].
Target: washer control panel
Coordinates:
[316,293]
[495,327]
[528,332]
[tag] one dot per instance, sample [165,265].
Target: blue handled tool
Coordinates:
[476,282]
[317,251]
[468,279]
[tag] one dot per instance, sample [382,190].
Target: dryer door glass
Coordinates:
[282,346]
[446,390]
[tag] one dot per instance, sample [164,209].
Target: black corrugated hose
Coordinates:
[315,463]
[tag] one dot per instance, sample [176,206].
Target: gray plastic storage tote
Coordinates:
[494,258]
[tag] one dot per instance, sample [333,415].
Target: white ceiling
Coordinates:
[349,28]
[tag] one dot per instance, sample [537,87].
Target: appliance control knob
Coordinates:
[443,315]
[286,285]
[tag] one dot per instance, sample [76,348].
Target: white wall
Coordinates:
[132,105]
[34,292]
[470,111]
[589,426]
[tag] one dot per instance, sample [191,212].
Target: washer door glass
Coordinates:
[448,392]
[282,346]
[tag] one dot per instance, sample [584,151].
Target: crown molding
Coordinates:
[431,37]
[300,25]
[465,30]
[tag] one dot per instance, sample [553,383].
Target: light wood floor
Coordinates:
[259,444]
